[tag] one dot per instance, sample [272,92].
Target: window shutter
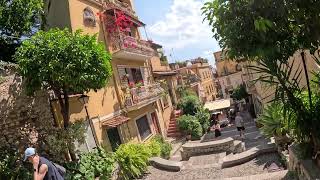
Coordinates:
[145,75]
[122,75]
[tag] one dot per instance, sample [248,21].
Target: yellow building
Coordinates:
[168,78]
[204,71]
[230,74]
[262,94]
[129,108]
[197,74]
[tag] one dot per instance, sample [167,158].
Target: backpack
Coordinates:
[62,171]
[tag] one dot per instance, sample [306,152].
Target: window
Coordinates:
[143,127]
[89,18]
[135,75]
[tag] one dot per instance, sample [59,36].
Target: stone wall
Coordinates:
[24,120]
[197,148]
[305,169]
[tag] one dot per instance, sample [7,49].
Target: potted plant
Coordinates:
[139,85]
[131,85]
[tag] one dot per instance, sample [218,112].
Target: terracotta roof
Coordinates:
[116,121]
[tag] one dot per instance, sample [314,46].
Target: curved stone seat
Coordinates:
[236,159]
[190,149]
[165,164]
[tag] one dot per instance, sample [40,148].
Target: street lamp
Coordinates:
[83,99]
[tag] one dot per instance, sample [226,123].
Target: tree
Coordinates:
[189,104]
[18,20]
[203,116]
[240,93]
[64,62]
[270,32]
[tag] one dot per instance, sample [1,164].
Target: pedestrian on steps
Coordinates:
[240,124]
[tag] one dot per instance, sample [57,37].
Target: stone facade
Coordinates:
[24,119]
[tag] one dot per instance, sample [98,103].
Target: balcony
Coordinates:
[142,96]
[122,6]
[127,47]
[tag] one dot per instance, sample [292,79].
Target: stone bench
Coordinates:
[190,149]
[165,164]
[236,159]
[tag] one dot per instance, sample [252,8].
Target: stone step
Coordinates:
[265,176]
[172,131]
[176,134]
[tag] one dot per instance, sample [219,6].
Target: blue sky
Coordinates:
[177,25]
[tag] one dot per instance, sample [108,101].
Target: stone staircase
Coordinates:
[265,176]
[173,130]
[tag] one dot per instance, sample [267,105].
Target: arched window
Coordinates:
[89,18]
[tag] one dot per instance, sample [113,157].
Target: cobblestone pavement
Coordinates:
[209,166]
[255,166]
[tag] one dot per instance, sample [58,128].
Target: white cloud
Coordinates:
[182,26]
[208,54]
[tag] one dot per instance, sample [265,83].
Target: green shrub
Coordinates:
[276,120]
[154,147]
[203,116]
[132,160]
[12,167]
[190,125]
[97,163]
[189,104]
[165,147]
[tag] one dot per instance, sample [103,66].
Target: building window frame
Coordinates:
[89,18]
[147,118]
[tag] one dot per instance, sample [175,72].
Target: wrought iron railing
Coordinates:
[144,94]
[130,44]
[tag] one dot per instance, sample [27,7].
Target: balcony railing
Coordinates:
[115,4]
[138,97]
[130,45]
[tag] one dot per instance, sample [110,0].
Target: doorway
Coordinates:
[114,138]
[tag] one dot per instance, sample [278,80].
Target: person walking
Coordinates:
[240,124]
[42,167]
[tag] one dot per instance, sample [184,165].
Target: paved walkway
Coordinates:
[209,166]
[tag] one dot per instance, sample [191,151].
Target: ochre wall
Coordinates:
[76,17]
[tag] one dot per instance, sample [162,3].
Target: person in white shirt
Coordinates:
[240,124]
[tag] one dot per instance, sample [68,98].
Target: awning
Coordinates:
[218,104]
[116,121]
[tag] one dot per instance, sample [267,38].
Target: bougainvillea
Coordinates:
[119,21]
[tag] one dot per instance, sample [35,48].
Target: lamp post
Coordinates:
[83,99]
